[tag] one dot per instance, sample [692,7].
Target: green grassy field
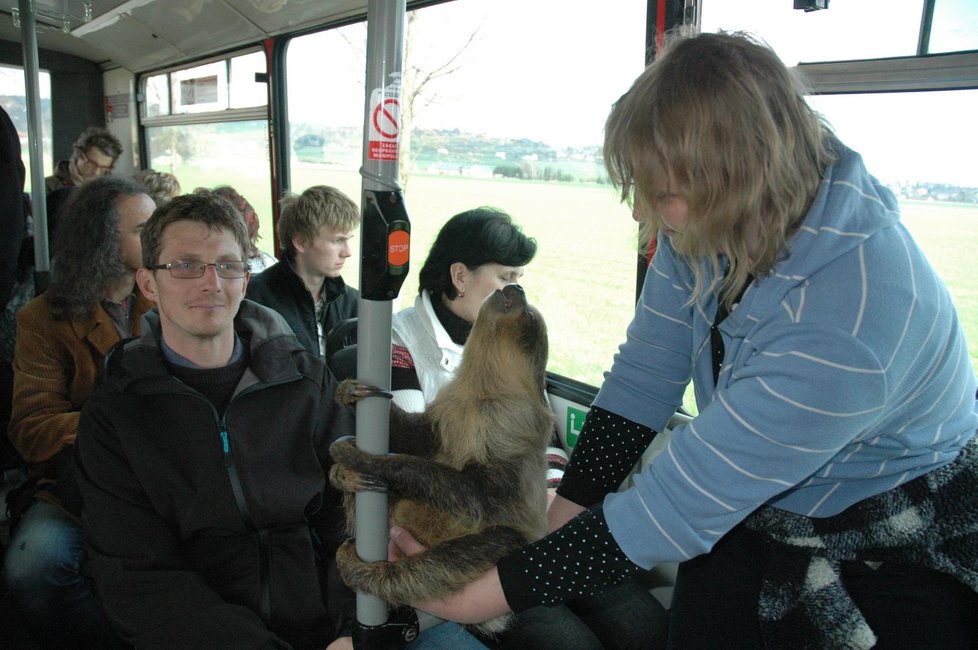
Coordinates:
[948,234]
[583,276]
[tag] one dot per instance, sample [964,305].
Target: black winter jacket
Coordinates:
[198,522]
[280,288]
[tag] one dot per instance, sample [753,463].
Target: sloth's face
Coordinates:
[510,320]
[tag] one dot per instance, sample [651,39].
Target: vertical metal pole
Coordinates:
[926,22]
[385,53]
[34,143]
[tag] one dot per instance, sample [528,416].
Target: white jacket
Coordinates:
[436,356]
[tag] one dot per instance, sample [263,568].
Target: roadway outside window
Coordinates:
[509,102]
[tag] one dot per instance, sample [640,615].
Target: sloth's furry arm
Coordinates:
[474,490]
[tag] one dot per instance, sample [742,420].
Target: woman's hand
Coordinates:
[477,602]
[402,544]
[342,643]
[561,511]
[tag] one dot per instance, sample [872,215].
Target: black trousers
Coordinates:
[626,617]
[715,601]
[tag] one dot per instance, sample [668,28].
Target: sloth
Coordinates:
[466,477]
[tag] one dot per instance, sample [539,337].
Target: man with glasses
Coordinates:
[93,155]
[202,458]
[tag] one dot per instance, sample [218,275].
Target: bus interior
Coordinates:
[502,103]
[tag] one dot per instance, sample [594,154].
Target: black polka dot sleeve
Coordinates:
[579,559]
[607,450]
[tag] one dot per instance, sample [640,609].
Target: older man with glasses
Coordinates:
[202,458]
[93,154]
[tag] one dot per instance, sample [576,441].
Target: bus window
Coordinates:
[200,89]
[157,95]
[868,29]
[15,103]
[920,145]
[325,106]
[223,153]
[917,143]
[207,125]
[503,104]
[846,30]
[955,26]
[243,89]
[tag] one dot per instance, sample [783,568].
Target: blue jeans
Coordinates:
[41,572]
[446,636]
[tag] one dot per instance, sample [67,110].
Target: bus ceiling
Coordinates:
[141,35]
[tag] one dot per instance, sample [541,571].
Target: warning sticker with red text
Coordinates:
[384,127]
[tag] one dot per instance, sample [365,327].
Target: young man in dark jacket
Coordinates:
[315,229]
[202,458]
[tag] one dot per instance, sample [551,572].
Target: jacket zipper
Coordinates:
[264,549]
[264,552]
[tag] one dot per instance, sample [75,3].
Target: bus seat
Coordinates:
[341,349]
[343,363]
[341,336]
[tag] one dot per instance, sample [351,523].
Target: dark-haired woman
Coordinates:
[475,253]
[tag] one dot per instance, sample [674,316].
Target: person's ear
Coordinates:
[458,273]
[146,282]
[299,244]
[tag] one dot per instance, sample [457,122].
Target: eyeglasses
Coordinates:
[102,169]
[186,270]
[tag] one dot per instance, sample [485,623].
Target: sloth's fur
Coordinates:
[467,478]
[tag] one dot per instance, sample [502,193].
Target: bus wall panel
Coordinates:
[76,93]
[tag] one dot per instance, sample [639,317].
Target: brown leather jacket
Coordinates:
[57,365]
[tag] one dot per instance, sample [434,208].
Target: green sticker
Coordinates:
[575,420]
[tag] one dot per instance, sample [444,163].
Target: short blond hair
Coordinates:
[302,215]
[161,186]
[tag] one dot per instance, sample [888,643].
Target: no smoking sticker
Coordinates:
[385,125]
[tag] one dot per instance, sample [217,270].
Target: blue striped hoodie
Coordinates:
[846,374]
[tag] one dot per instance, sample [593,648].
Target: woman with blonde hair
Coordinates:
[161,186]
[827,493]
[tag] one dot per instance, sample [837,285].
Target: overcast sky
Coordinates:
[550,69]
[553,74]
[902,136]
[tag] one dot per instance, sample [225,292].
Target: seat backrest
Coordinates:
[341,336]
[343,363]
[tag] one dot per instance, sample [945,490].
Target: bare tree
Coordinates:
[417,92]
[417,81]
